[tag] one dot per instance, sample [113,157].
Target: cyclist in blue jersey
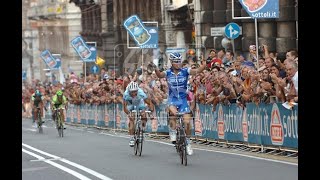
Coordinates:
[135,99]
[177,78]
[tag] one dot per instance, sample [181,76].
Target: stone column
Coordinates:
[286,26]
[203,23]
[104,14]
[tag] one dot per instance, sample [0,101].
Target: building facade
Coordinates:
[181,23]
[53,24]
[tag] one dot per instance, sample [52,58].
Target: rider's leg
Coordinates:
[186,120]
[172,123]
[62,117]
[172,118]
[187,125]
[131,125]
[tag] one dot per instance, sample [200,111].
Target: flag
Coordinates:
[100,62]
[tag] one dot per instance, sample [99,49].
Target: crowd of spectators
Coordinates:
[227,79]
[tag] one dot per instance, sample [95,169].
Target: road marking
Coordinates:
[29,129]
[52,159]
[90,171]
[209,150]
[33,169]
[70,171]
[244,155]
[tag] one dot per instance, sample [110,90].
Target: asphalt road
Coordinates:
[87,153]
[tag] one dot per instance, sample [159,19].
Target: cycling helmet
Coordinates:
[59,93]
[175,56]
[37,93]
[133,86]
[105,76]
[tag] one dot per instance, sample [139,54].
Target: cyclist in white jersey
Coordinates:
[135,99]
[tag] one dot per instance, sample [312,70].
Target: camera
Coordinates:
[264,97]
[209,59]
[261,48]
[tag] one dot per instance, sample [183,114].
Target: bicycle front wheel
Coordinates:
[140,141]
[59,125]
[40,123]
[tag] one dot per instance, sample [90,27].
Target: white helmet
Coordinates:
[133,86]
[105,76]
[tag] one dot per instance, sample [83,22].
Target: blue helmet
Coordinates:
[175,56]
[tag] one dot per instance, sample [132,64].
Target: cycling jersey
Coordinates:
[58,104]
[178,83]
[137,101]
[178,89]
[36,99]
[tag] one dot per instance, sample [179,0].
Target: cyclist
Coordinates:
[59,101]
[37,104]
[177,78]
[135,97]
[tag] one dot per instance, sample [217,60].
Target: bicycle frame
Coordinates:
[138,132]
[59,121]
[39,120]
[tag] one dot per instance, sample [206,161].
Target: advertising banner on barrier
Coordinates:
[111,113]
[276,125]
[265,124]
[160,122]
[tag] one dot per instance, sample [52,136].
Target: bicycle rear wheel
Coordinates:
[185,159]
[181,145]
[61,128]
[177,145]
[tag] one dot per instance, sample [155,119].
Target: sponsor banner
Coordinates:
[79,114]
[111,113]
[47,57]
[261,8]
[266,124]
[124,119]
[83,112]
[160,122]
[232,121]
[70,106]
[74,115]
[101,115]
[86,53]
[91,115]
[279,125]
[96,116]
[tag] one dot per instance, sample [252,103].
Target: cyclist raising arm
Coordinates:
[135,97]
[59,101]
[177,78]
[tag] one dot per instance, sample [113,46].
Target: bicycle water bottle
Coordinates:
[137,30]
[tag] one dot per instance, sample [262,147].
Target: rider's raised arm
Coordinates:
[150,104]
[199,69]
[159,73]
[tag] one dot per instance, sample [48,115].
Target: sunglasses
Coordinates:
[176,61]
